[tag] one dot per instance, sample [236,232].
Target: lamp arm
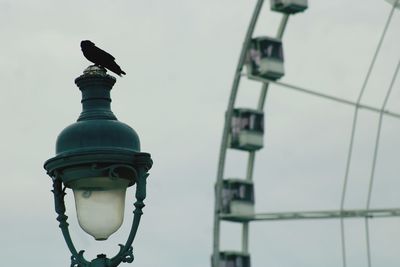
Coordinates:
[77,259]
[126,251]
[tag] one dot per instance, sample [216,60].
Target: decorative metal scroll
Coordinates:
[115,171]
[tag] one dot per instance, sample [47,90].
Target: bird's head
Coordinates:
[86,43]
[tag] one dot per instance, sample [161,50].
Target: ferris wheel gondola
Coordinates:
[234,259]
[395,3]
[247,129]
[289,6]
[265,58]
[237,197]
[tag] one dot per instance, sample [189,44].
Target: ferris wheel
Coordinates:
[262,59]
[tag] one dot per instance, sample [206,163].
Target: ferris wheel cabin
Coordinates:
[289,6]
[393,2]
[265,58]
[247,129]
[237,197]
[234,259]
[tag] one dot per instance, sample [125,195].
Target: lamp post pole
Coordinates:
[98,157]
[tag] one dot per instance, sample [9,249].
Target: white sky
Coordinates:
[180,58]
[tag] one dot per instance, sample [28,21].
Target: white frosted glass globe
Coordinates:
[100,213]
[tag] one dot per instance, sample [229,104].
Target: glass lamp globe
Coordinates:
[100,203]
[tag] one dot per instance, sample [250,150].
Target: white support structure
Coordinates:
[235,212]
[307,215]
[328,97]
[225,135]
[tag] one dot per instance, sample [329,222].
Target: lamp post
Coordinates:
[98,157]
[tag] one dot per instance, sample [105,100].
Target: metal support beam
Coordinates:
[333,98]
[225,134]
[252,154]
[304,215]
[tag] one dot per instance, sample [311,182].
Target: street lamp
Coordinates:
[98,157]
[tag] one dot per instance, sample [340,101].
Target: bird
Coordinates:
[100,57]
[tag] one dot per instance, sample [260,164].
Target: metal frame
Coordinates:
[224,142]
[307,215]
[326,96]
[246,219]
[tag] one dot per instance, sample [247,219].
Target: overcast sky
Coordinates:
[180,58]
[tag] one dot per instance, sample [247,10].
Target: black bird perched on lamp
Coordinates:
[100,57]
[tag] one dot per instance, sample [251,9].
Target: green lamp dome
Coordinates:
[97,127]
